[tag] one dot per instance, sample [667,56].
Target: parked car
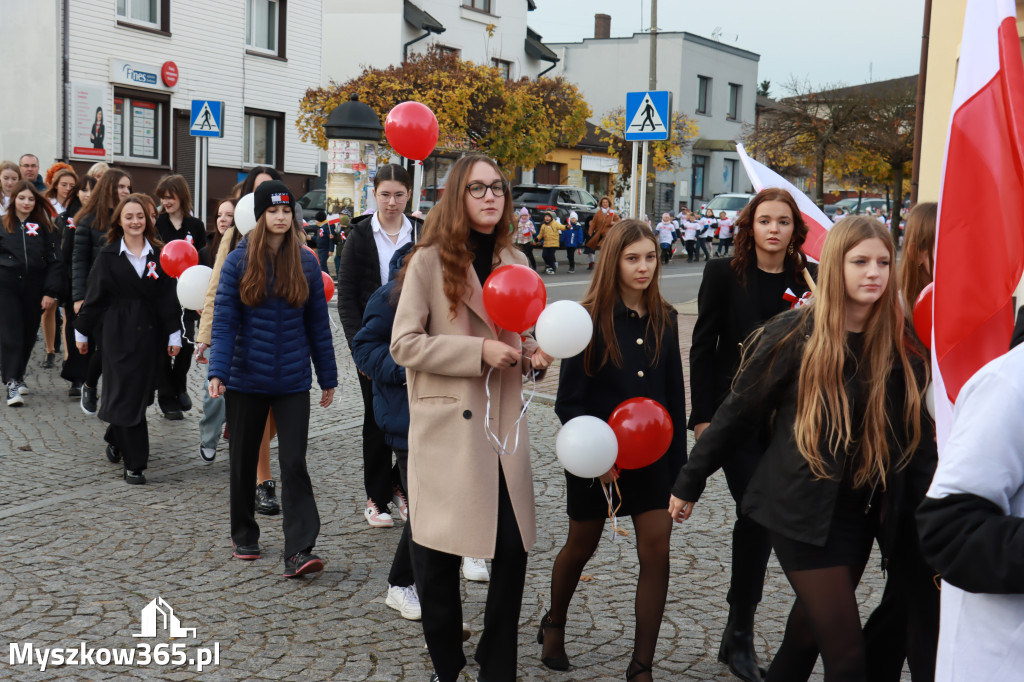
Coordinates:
[855,206]
[310,203]
[730,203]
[559,199]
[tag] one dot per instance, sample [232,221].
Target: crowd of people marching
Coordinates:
[806,387]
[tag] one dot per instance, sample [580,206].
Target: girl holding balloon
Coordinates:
[634,352]
[465,383]
[837,387]
[131,304]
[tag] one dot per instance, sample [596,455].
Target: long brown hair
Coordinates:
[743,234]
[823,407]
[103,200]
[218,236]
[283,266]
[604,292]
[448,228]
[55,178]
[116,231]
[918,241]
[177,187]
[40,213]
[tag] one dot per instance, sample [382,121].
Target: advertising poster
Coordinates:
[341,194]
[90,134]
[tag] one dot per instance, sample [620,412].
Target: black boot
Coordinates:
[737,650]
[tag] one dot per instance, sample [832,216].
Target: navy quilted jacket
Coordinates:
[267,349]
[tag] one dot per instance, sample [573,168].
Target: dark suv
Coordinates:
[559,199]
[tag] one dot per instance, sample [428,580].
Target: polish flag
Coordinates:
[818,224]
[983,167]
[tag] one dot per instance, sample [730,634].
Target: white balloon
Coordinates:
[564,329]
[929,399]
[245,214]
[192,287]
[586,446]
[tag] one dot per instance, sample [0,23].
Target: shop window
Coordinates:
[700,164]
[138,129]
[265,27]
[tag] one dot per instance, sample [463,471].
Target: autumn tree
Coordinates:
[515,122]
[662,154]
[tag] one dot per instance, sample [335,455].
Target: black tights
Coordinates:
[824,618]
[652,547]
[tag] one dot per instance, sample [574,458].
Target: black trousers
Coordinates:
[437,582]
[379,475]
[174,373]
[751,543]
[570,255]
[132,442]
[528,250]
[20,298]
[247,417]
[76,365]
[401,566]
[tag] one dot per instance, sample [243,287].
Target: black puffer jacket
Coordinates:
[87,245]
[359,275]
[32,249]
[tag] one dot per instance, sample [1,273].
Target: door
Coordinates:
[184,162]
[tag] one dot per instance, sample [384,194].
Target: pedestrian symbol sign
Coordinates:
[207,119]
[648,115]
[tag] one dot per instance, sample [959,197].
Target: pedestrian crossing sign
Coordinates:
[207,119]
[648,115]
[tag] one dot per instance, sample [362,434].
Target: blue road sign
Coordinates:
[648,115]
[207,119]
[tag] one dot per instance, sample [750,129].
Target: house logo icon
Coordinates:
[158,615]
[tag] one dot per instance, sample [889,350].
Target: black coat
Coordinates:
[87,245]
[727,312]
[134,317]
[35,254]
[191,227]
[783,495]
[642,375]
[359,274]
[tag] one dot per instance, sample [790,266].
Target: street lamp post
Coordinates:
[354,120]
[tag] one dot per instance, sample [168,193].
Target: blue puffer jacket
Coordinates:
[266,350]
[372,355]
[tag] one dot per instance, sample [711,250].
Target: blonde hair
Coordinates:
[823,407]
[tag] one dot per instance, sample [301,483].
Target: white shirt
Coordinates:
[139,263]
[724,228]
[981,638]
[690,230]
[59,207]
[666,233]
[385,247]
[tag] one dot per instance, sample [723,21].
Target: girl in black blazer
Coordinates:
[837,387]
[634,352]
[737,296]
[372,240]
[176,221]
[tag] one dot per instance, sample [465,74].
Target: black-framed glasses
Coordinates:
[478,190]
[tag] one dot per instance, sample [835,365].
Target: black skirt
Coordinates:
[642,490]
[850,536]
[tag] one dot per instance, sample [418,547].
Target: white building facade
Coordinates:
[133,69]
[713,83]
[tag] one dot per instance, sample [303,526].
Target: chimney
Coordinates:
[602,26]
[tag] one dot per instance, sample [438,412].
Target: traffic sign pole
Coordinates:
[632,184]
[417,184]
[643,184]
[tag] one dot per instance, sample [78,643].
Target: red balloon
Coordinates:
[644,431]
[178,256]
[411,129]
[328,286]
[515,296]
[923,315]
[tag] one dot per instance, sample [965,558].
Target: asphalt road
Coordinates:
[679,280]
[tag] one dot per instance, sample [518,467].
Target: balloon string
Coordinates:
[615,531]
[183,336]
[500,446]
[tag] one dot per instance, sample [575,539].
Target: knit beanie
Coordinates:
[524,212]
[271,193]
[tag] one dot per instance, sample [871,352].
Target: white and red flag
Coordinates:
[978,263]
[818,224]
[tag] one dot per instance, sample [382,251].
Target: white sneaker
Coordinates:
[22,388]
[375,518]
[398,497]
[207,454]
[14,398]
[405,600]
[475,570]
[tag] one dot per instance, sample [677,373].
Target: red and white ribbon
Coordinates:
[795,302]
[151,270]
[32,229]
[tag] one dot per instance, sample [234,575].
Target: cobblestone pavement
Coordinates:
[83,553]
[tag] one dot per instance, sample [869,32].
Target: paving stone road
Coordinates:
[84,553]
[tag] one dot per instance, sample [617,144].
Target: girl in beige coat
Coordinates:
[470,494]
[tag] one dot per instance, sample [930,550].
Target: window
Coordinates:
[703,95]
[479,5]
[729,175]
[697,182]
[734,101]
[503,66]
[137,131]
[262,139]
[265,27]
[449,50]
[152,15]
